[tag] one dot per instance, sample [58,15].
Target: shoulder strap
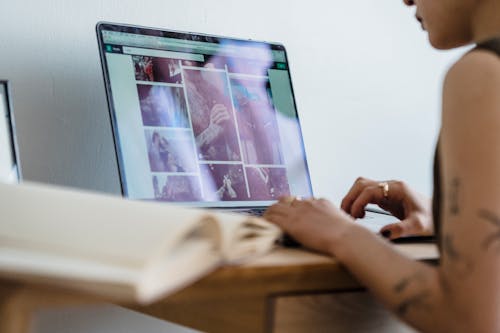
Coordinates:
[492,45]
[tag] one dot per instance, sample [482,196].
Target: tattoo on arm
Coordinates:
[416,300]
[450,249]
[453,196]
[405,282]
[494,237]
[460,264]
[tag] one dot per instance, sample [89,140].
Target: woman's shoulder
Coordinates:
[477,64]
[474,78]
[471,90]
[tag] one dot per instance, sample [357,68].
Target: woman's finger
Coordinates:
[297,202]
[280,209]
[372,194]
[398,229]
[354,192]
[277,219]
[287,199]
[220,116]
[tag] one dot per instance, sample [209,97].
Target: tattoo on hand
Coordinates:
[493,238]
[454,196]
[460,264]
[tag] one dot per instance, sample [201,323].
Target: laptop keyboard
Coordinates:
[253,211]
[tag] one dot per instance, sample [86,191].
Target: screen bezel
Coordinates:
[157,32]
[12,126]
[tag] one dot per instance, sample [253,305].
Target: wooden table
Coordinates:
[288,290]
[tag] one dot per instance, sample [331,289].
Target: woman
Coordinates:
[463,293]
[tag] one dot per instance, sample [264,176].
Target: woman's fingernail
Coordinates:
[386,233]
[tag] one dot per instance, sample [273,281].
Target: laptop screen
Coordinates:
[9,169]
[202,120]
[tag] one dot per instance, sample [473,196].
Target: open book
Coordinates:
[126,250]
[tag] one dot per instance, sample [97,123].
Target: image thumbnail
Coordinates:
[211,115]
[157,69]
[267,183]
[176,188]
[192,63]
[214,61]
[223,182]
[170,151]
[162,106]
[257,122]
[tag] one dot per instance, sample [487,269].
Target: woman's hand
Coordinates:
[314,223]
[411,208]
[219,114]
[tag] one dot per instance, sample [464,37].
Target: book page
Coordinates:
[195,257]
[244,236]
[106,280]
[91,226]
[191,259]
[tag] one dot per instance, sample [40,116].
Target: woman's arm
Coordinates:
[463,293]
[470,160]
[413,290]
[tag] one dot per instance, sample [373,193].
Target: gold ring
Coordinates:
[385,188]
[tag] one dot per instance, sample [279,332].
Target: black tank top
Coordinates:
[492,45]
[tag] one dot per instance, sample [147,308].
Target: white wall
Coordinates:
[366,83]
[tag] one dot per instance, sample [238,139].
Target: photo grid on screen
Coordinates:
[211,130]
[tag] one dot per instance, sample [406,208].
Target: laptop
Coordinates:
[10,171]
[204,121]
